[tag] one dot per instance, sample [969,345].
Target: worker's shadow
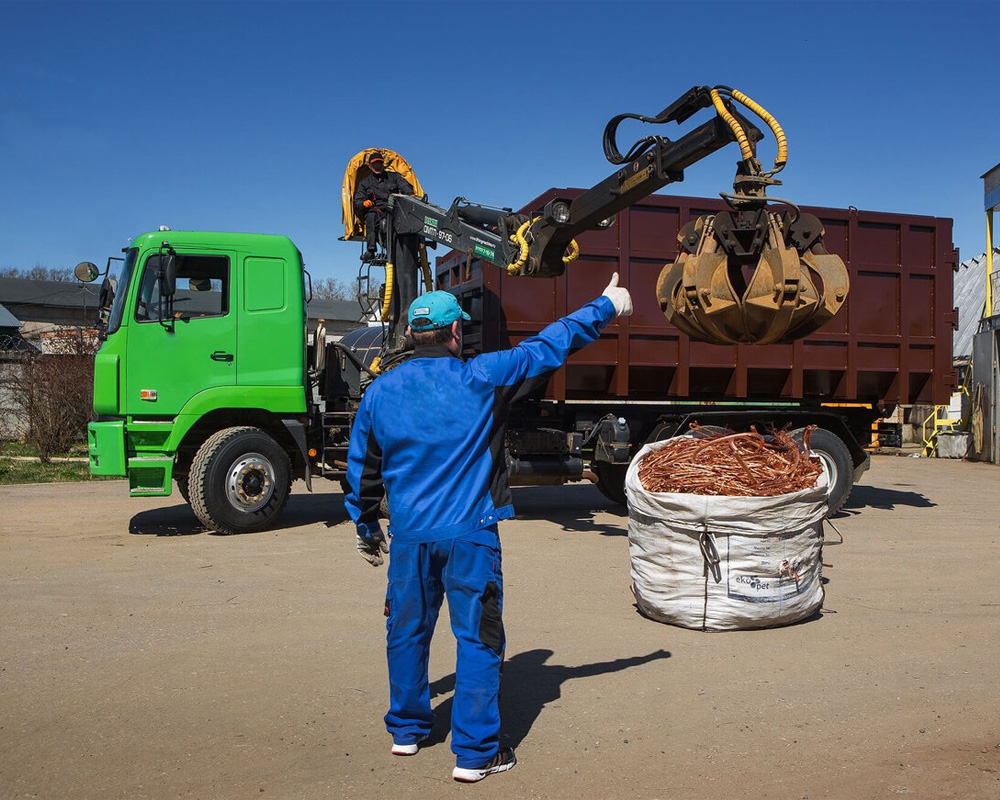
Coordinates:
[527,686]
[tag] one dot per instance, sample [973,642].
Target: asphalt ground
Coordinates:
[141,657]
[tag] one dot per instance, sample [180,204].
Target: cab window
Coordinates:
[202,288]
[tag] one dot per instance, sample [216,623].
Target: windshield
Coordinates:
[121,291]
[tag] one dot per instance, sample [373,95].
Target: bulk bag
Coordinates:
[719,563]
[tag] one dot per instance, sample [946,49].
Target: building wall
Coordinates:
[12,423]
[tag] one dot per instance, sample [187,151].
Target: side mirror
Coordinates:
[86,272]
[105,300]
[107,295]
[168,275]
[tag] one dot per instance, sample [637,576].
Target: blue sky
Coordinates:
[119,117]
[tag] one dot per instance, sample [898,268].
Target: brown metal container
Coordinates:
[889,344]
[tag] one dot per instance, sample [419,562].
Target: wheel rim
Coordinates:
[250,482]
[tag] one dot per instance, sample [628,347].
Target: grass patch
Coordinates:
[14,470]
[17,449]
[31,451]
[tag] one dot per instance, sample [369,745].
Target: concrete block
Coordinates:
[952,445]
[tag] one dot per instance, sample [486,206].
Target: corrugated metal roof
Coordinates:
[340,310]
[8,320]
[970,297]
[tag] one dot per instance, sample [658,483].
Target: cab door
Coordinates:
[178,349]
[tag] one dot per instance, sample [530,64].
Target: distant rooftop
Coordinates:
[8,320]
[71,294]
[61,294]
[341,310]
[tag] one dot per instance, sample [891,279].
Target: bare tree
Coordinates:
[38,273]
[333,289]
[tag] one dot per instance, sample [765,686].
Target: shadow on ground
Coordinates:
[179,520]
[572,506]
[862,497]
[529,684]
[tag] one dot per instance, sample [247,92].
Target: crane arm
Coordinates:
[662,162]
[749,275]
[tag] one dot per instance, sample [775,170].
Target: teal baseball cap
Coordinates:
[434,310]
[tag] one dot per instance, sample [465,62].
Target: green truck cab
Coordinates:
[202,378]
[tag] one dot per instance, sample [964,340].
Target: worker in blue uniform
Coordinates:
[429,435]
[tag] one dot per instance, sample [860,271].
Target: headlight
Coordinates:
[607,223]
[558,211]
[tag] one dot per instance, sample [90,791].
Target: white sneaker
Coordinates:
[501,762]
[407,749]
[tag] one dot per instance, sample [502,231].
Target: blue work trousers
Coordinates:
[467,570]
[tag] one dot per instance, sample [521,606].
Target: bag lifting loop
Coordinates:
[711,554]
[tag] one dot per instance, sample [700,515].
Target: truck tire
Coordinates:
[240,480]
[183,487]
[834,453]
[611,480]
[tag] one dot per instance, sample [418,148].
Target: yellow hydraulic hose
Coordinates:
[741,137]
[375,364]
[387,300]
[518,238]
[389,275]
[772,123]
[522,243]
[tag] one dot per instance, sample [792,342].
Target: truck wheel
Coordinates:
[611,480]
[240,480]
[183,487]
[837,458]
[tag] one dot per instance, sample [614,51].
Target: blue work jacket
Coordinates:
[431,432]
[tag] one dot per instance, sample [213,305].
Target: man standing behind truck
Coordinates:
[429,435]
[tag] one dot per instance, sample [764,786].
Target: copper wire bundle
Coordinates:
[734,464]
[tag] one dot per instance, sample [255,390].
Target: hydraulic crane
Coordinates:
[748,275]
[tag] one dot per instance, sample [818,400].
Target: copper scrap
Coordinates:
[733,464]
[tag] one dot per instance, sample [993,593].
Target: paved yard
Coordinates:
[141,657]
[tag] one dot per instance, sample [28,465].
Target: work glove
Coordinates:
[372,546]
[368,203]
[619,296]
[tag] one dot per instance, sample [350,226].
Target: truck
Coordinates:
[206,377]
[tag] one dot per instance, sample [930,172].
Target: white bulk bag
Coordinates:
[725,563]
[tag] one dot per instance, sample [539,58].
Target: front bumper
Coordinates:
[106,447]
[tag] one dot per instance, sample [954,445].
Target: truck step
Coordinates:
[151,435]
[150,476]
[336,427]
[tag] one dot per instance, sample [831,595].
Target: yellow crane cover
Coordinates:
[357,169]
